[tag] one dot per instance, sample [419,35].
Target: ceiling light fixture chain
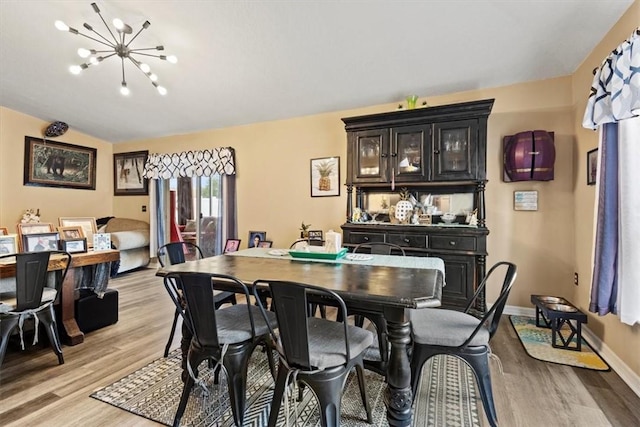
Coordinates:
[120,47]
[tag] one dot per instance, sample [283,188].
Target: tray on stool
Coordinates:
[94,313]
[555,312]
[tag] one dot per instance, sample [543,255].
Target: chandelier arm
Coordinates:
[144,48]
[137,64]
[107,43]
[122,61]
[107,27]
[134,37]
[147,54]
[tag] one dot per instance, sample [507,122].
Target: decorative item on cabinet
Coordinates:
[529,156]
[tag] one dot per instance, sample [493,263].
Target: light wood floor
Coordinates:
[36,391]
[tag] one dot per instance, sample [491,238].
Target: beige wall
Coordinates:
[623,340]
[52,202]
[274,195]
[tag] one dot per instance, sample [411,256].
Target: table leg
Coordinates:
[398,396]
[67,310]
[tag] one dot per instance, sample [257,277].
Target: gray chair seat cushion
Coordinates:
[326,342]
[447,328]
[234,325]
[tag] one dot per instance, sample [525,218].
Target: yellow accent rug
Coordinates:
[537,343]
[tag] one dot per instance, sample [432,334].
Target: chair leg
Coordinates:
[48,319]
[184,398]
[173,331]
[419,355]
[7,324]
[278,394]
[329,394]
[479,363]
[236,363]
[363,391]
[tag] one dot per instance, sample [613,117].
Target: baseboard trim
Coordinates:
[628,376]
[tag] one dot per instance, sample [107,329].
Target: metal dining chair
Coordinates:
[174,253]
[226,335]
[455,333]
[319,353]
[33,298]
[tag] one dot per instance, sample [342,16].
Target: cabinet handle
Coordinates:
[452,243]
[406,240]
[436,151]
[383,155]
[394,154]
[366,238]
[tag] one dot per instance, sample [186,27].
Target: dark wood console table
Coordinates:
[67,294]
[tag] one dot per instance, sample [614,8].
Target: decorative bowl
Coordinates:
[448,218]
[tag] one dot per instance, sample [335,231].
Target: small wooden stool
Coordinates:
[555,312]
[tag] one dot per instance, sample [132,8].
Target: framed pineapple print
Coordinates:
[325,177]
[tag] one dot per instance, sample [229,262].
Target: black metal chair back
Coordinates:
[379,248]
[174,252]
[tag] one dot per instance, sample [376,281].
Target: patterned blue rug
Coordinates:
[446,397]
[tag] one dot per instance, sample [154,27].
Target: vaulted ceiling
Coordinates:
[245,61]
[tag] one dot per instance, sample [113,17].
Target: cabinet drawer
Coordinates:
[453,243]
[357,238]
[408,240]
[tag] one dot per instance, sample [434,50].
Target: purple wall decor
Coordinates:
[529,156]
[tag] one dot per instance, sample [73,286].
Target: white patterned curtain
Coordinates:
[614,107]
[190,163]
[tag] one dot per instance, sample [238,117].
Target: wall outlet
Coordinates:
[144,208]
[575,279]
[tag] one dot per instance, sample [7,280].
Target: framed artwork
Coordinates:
[71,232]
[32,228]
[74,245]
[9,244]
[315,234]
[325,177]
[127,174]
[101,241]
[255,237]
[592,166]
[56,164]
[265,244]
[88,225]
[39,242]
[232,245]
[3,231]
[525,200]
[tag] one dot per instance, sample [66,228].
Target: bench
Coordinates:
[555,312]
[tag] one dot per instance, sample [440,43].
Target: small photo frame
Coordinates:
[101,241]
[315,234]
[88,225]
[265,244]
[127,174]
[74,245]
[40,242]
[325,177]
[255,237]
[9,244]
[73,232]
[232,245]
[525,200]
[4,231]
[32,228]
[592,166]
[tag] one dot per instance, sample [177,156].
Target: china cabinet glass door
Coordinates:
[408,154]
[371,156]
[455,150]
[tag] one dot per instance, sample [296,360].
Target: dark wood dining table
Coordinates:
[383,284]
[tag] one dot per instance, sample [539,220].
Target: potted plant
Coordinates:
[304,230]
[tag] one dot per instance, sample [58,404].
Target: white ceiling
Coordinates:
[244,61]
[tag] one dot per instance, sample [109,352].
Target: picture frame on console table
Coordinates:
[127,174]
[88,225]
[74,245]
[40,242]
[9,244]
[57,164]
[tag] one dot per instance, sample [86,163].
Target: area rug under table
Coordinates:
[537,343]
[447,396]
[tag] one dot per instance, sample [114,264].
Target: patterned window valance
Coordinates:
[190,163]
[615,91]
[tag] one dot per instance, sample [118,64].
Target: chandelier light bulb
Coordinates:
[145,68]
[75,69]
[172,58]
[124,89]
[61,26]
[153,77]
[84,53]
[94,60]
[118,24]
[162,90]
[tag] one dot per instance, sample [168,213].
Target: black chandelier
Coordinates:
[118,46]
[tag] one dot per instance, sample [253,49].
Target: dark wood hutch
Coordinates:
[431,150]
